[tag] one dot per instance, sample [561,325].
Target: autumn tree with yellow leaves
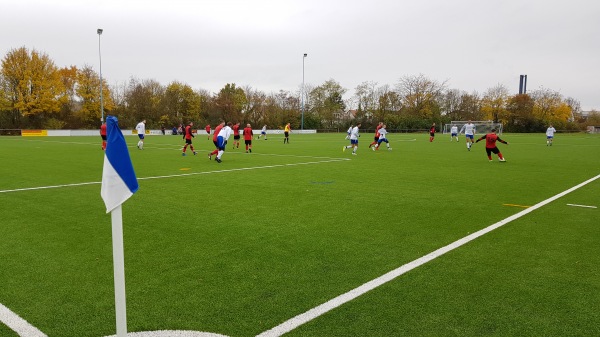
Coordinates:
[32,85]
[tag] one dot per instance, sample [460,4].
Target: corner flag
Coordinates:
[118,184]
[118,178]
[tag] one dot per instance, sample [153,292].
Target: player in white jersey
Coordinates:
[141,130]
[469,129]
[382,139]
[550,135]
[263,132]
[353,139]
[222,138]
[454,132]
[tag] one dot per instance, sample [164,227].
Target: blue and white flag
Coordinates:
[118,178]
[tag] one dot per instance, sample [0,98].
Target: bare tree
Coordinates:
[420,95]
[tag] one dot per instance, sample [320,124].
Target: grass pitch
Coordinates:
[239,247]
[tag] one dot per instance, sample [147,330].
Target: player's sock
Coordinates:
[220,153]
[490,158]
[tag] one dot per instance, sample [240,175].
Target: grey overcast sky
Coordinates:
[474,45]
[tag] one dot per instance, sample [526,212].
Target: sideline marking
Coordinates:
[586,206]
[513,205]
[317,311]
[17,324]
[178,175]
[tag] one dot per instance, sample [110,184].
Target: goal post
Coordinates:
[481,127]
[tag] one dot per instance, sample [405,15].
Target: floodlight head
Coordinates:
[305,54]
[99,31]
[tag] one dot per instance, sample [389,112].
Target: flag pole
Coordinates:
[119,270]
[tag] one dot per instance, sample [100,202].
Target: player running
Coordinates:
[222,138]
[215,135]
[382,139]
[469,130]
[353,139]
[263,132]
[454,132]
[550,135]
[188,139]
[141,131]
[376,138]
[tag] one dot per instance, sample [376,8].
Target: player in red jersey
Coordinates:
[215,135]
[248,135]
[188,139]
[376,138]
[432,132]
[207,129]
[490,145]
[236,135]
[103,135]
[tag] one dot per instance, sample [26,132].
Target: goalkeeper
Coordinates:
[490,145]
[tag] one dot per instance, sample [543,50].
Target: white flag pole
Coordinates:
[119,270]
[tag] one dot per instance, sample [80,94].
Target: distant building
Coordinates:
[344,116]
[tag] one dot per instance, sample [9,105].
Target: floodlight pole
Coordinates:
[302,121]
[99,31]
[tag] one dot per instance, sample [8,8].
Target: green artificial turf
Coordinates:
[239,247]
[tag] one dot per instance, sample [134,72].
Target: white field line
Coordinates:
[179,175]
[17,324]
[317,311]
[585,206]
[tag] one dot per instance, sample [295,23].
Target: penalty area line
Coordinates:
[179,175]
[17,324]
[317,311]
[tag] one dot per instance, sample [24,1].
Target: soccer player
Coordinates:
[286,133]
[222,138]
[207,129]
[141,130]
[349,132]
[188,139]
[382,139]
[490,145]
[263,132]
[103,135]
[454,132]
[236,135]
[550,135]
[469,129]
[432,132]
[376,138]
[248,135]
[353,139]
[215,141]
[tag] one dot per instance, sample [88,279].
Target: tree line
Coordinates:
[37,94]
